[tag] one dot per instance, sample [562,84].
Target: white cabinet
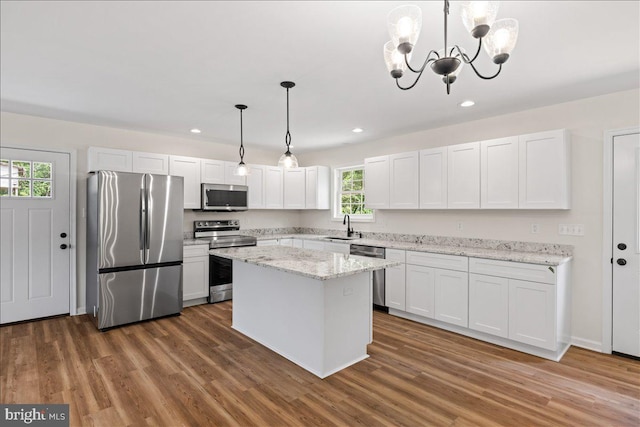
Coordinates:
[342,248]
[150,163]
[109,159]
[404,180]
[489,304]
[499,173]
[420,290]
[532,313]
[189,168]
[256,184]
[298,243]
[433,178]
[376,182]
[294,188]
[451,297]
[545,170]
[273,194]
[463,176]
[268,242]
[318,183]
[212,171]
[313,244]
[286,242]
[229,174]
[195,272]
[395,278]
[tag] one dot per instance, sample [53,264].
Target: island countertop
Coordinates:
[318,265]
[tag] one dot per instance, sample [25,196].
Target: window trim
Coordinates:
[336,215]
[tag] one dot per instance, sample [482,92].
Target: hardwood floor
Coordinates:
[195,370]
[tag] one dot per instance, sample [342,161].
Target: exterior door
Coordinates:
[626,244]
[35,228]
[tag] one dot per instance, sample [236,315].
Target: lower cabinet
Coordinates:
[341,248]
[452,296]
[489,304]
[195,272]
[420,290]
[532,313]
[395,278]
[313,244]
[268,242]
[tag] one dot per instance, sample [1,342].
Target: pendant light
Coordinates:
[241,169]
[288,160]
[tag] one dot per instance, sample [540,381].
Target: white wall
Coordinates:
[22,131]
[586,119]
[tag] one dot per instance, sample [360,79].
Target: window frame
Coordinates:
[336,214]
[31,179]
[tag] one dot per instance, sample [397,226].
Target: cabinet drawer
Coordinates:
[448,262]
[195,250]
[513,270]
[395,255]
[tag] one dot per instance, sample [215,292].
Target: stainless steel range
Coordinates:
[221,234]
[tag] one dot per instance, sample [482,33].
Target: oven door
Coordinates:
[220,279]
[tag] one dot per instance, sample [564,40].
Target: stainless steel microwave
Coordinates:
[221,197]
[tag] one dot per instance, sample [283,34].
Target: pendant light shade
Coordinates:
[288,160]
[242,169]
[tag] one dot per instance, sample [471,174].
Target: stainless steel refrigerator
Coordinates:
[134,247]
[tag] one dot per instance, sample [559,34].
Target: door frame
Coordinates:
[607,235]
[73,228]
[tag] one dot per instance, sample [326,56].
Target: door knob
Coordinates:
[63,235]
[622,246]
[63,246]
[621,261]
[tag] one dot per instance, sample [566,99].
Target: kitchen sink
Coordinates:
[340,238]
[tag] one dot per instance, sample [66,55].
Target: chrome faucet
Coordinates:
[347,220]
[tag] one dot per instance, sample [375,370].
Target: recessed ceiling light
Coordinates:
[194,130]
[357,130]
[468,103]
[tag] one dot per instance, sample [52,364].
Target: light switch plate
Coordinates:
[571,229]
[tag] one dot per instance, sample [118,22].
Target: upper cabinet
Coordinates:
[189,168]
[318,183]
[433,178]
[403,180]
[273,187]
[463,176]
[499,173]
[212,171]
[109,159]
[230,177]
[294,188]
[150,163]
[256,184]
[545,170]
[376,182]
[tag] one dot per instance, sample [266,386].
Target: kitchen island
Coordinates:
[311,307]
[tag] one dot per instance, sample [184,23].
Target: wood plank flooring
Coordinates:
[194,370]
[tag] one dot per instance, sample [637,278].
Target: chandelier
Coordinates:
[404,24]
[242,169]
[288,160]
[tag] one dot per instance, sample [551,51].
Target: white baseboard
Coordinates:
[588,344]
[80,311]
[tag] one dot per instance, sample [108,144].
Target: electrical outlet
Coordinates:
[535,228]
[460,226]
[571,229]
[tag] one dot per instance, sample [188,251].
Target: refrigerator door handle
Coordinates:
[147,231]
[143,224]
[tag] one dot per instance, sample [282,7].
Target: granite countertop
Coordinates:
[318,265]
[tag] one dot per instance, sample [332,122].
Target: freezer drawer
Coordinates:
[134,295]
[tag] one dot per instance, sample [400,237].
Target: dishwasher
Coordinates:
[378,275]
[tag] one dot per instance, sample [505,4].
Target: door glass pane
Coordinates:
[4,187]
[4,167]
[41,170]
[41,188]
[21,187]
[21,169]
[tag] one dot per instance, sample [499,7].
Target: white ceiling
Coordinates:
[167,67]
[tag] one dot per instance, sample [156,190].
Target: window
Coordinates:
[25,179]
[349,193]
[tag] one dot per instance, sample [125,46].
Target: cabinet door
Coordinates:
[273,195]
[311,187]
[109,159]
[452,297]
[532,309]
[403,180]
[229,174]
[297,243]
[294,187]
[256,183]
[395,277]
[463,176]
[489,304]
[189,168]
[195,272]
[150,163]
[499,173]
[212,171]
[313,244]
[285,242]
[270,242]
[433,178]
[545,170]
[318,183]
[420,290]
[376,182]
[341,248]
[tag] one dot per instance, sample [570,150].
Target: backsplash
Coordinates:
[504,245]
